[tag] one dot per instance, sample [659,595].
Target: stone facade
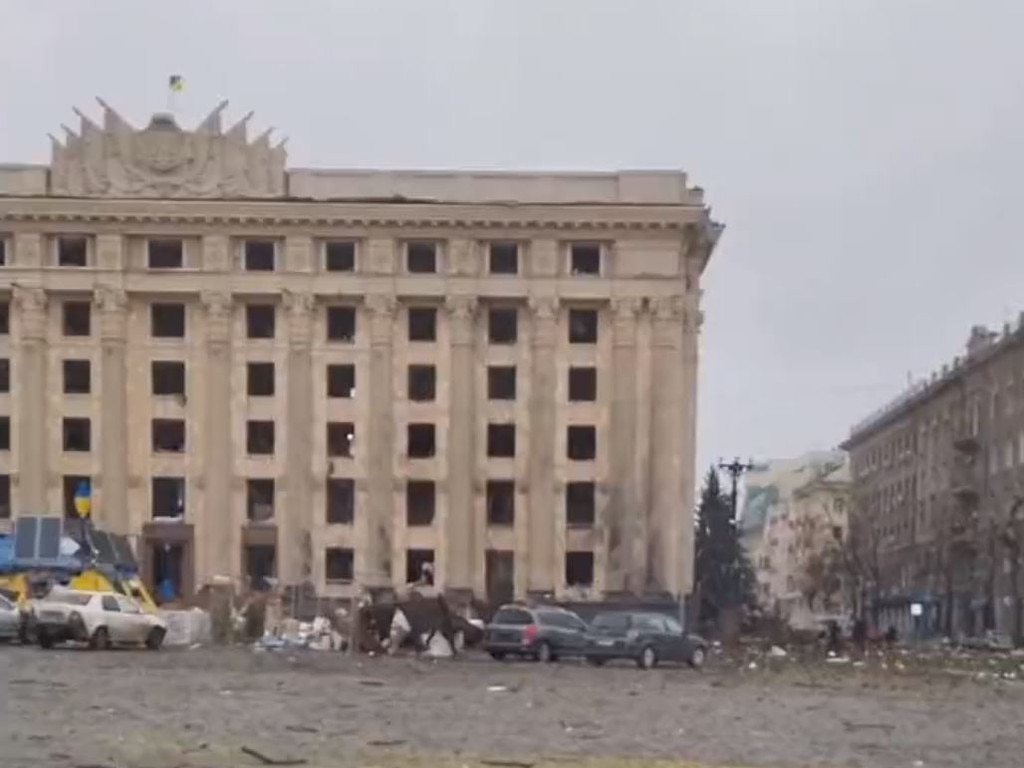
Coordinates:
[338,376]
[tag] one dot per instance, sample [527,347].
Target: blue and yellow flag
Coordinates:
[176,83]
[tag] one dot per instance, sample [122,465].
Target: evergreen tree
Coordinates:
[724,578]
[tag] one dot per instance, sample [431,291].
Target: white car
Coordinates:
[101,619]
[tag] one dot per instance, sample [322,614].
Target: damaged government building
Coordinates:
[337,377]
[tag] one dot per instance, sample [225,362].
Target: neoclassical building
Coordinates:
[339,376]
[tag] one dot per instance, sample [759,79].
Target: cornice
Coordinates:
[288,213]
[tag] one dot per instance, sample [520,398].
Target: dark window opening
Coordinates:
[339,564]
[501,440]
[341,323]
[504,258]
[72,251]
[580,504]
[341,500]
[168,377]
[77,377]
[260,321]
[167,321]
[502,325]
[5,433]
[341,439]
[341,380]
[585,259]
[75,486]
[77,318]
[419,565]
[420,443]
[168,435]
[500,578]
[501,382]
[259,255]
[77,434]
[259,499]
[5,375]
[422,324]
[579,569]
[583,326]
[422,383]
[420,500]
[259,438]
[259,379]
[5,497]
[3,250]
[583,385]
[340,256]
[166,254]
[260,566]
[168,497]
[501,502]
[581,443]
[421,258]
[5,318]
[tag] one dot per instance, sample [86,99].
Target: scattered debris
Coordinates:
[777,653]
[497,688]
[301,729]
[385,742]
[508,763]
[372,683]
[266,760]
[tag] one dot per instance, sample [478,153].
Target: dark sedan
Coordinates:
[646,638]
[543,633]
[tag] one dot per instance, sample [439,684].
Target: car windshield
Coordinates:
[612,621]
[71,598]
[512,616]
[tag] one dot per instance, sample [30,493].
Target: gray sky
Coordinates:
[866,155]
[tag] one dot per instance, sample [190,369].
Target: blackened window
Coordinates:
[582,326]
[422,324]
[503,258]
[77,434]
[341,380]
[501,502]
[421,257]
[341,323]
[585,258]
[501,382]
[341,500]
[580,504]
[422,383]
[341,439]
[420,500]
[167,321]
[339,564]
[581,443]
[168,377]
[583,384]
[77,318]
[501,440]
[502,325]
[259,438]
[260,321]
[421,442]
[259,255]
[340,256]
[72,251]
[166,254]
[259,379]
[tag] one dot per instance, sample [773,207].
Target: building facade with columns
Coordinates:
[340,376]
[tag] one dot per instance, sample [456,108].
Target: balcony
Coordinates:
[967,444]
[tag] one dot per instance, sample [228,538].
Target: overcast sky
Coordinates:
[866,156]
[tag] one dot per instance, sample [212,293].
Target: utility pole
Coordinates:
[735,468]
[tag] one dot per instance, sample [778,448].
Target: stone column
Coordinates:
[373,564]
[624,522]
[544,573]
[668,508]
[112,305]
[295,517]
[692,321]
[462,561]
[30,304]
[216,526]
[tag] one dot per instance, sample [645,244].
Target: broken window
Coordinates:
[585,259]
[582,384]
[419,565]
[168,435]
[340,256]
[503,258]
[420,442]
[5,497]
[260,321]
[260,565]
[422,383]
[341,324]
[341,380]
[341,439]
[422,324]
[77,318]
[502,325]
[501,440]
[420,498]
[501,382]
[259,379]
[339,565]
[5,375]
[72,251]
[579,569]
[167,321]
[259,438]
[3,250]
[421,257]
[73,486]
[259,499]
[166,254]
[168,377]
[5,433]
[77,377]
[259,255]
[5,318]
[77,434]
[341,500]
[581,443]
[583,326]
[168,497]
[580,504]
[501,502]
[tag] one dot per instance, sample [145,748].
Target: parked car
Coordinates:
[10,619]
[542,633]
[101,619]
[646,638]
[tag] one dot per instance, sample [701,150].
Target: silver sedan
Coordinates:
[10,619]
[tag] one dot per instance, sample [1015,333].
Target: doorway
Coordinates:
[167,560]
[500,569]
[168,570]
[260,566]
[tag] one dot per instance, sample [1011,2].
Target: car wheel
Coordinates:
[100,640]
[45,639]
[155,639]
[648,658]
[543,653]
[497,655]
[697,658]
